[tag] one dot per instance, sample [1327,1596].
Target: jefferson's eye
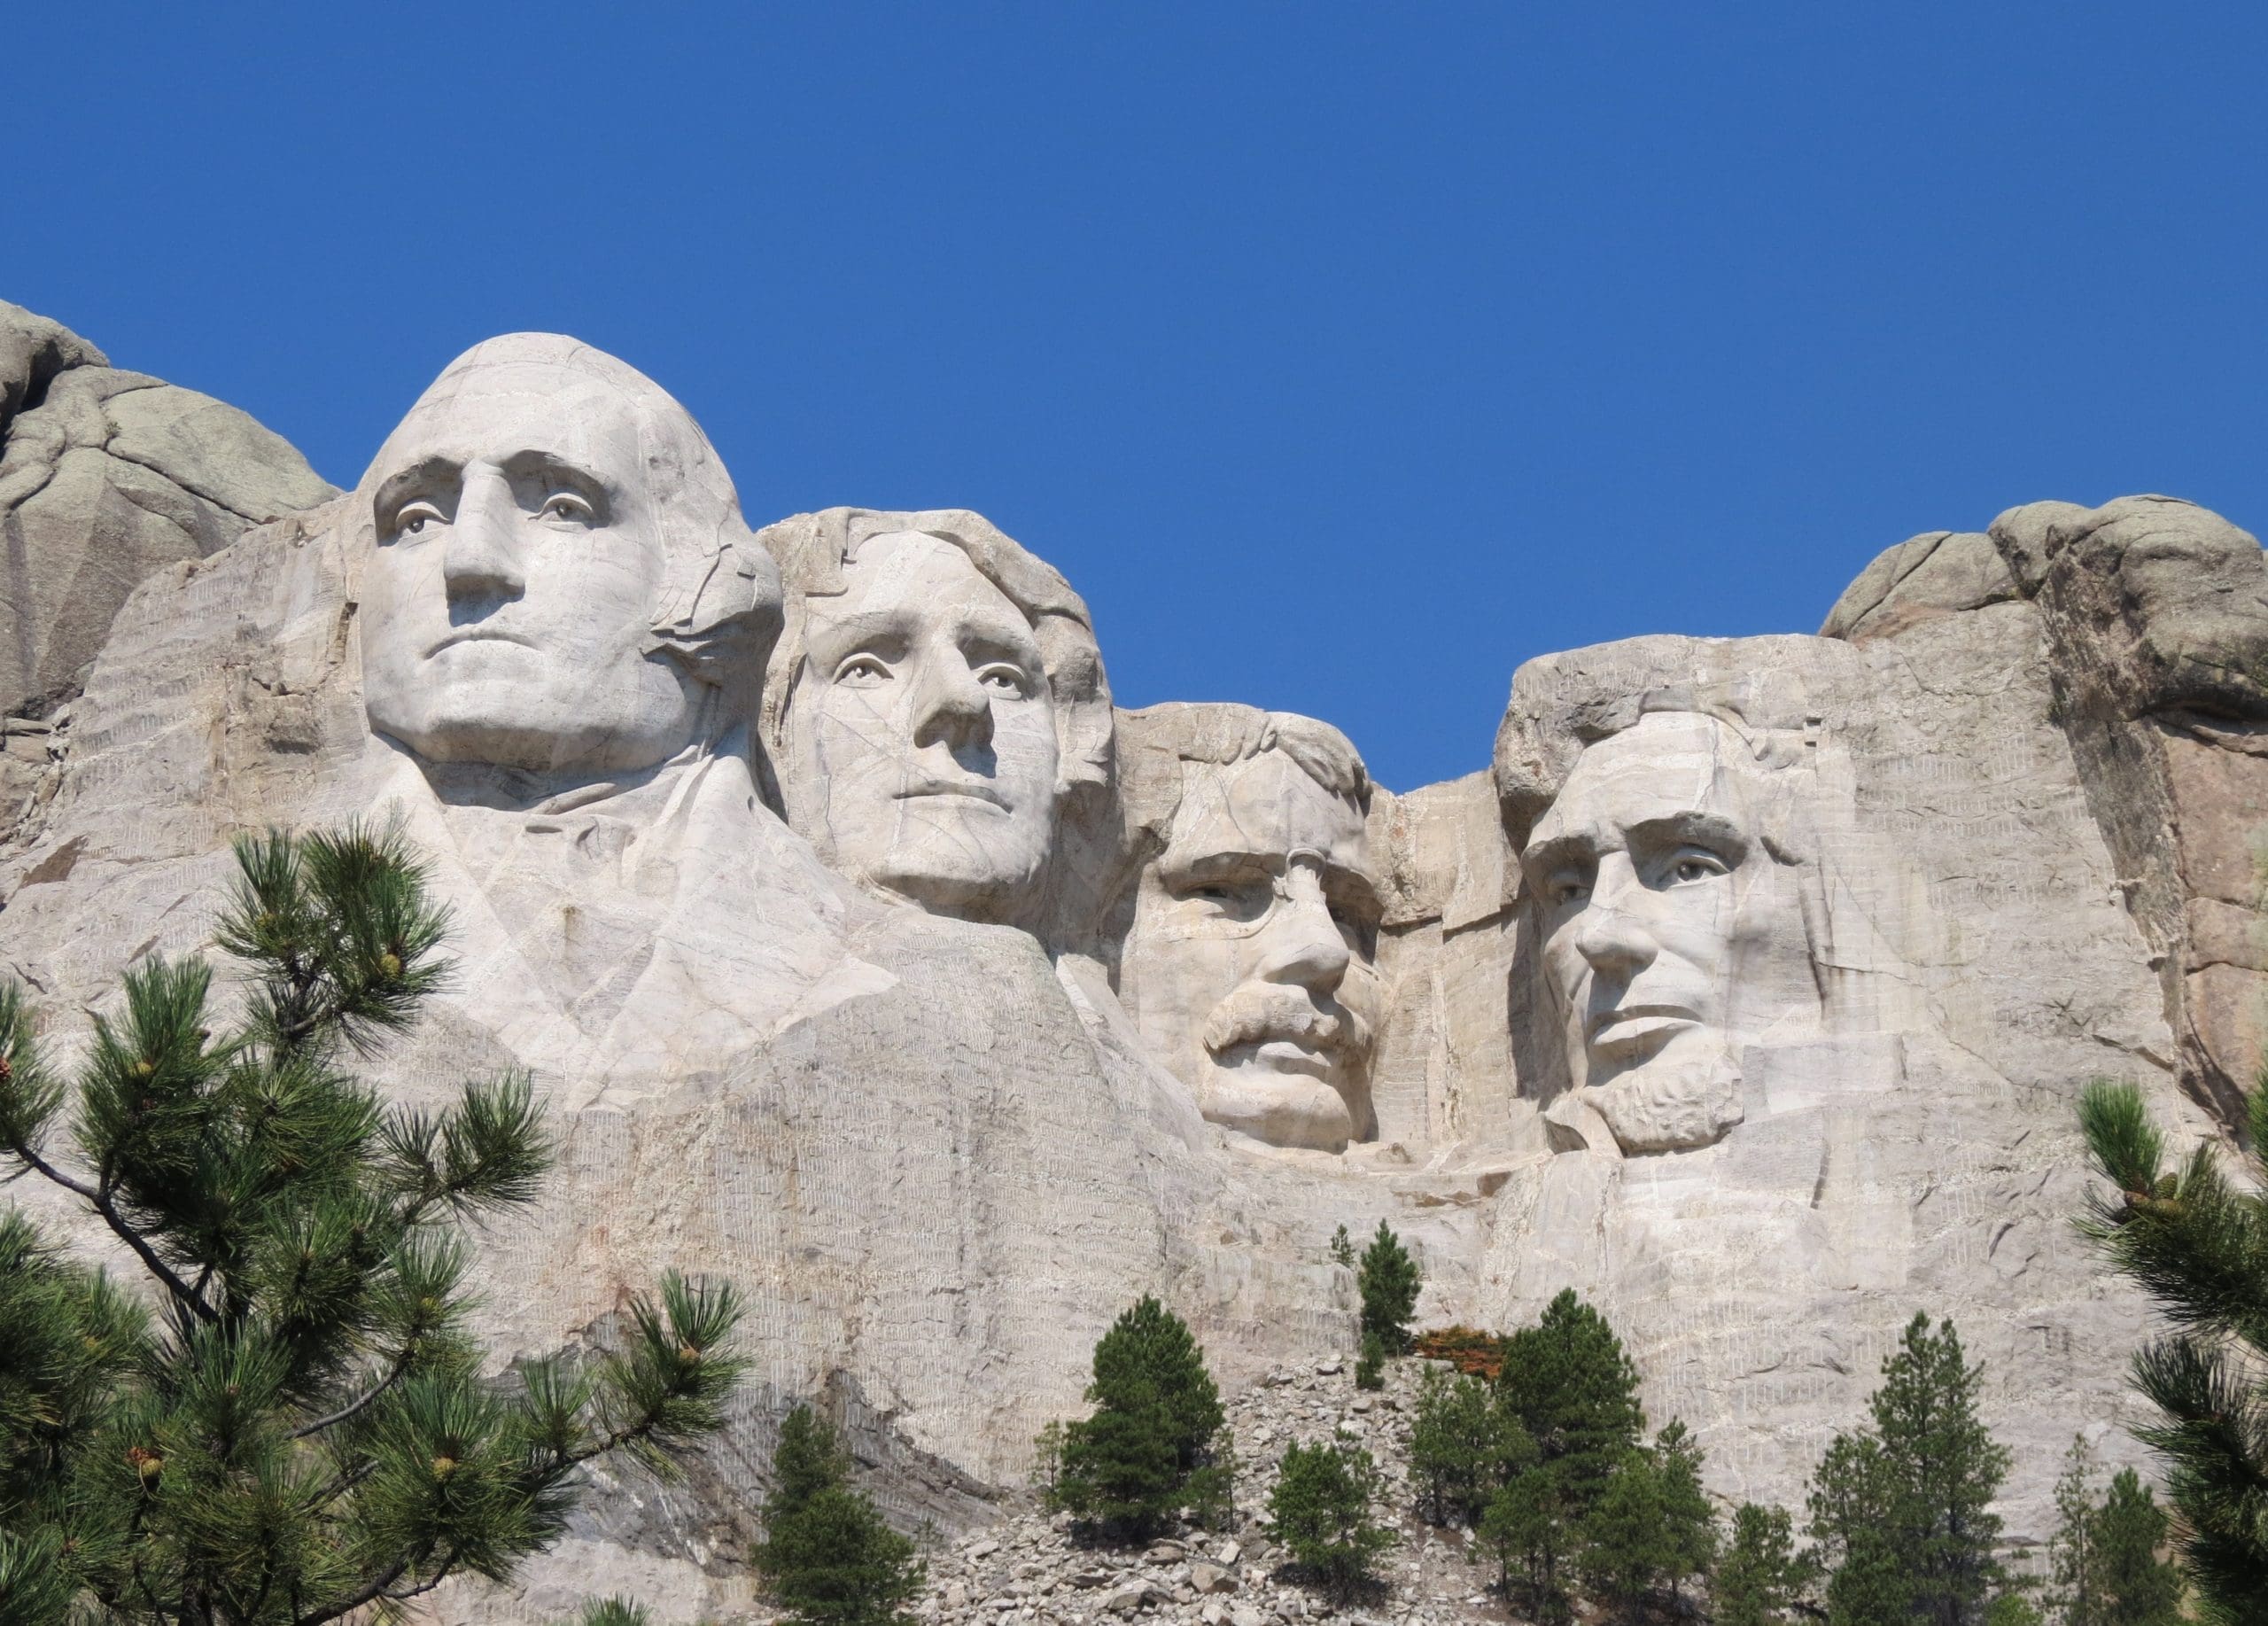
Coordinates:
[862,672]
[414,518]
[1004,680]
[1691,866]
[565,505]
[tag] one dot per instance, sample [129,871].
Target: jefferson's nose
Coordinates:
[1302,943]
[950,705]
[482,560]
[1613,935]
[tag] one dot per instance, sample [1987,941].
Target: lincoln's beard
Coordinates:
[1686,1097]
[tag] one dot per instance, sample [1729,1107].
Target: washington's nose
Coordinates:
[483,558]
[1304,945]
[1614,936]
[950,705]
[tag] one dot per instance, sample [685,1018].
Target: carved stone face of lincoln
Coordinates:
[1248,967]
[1670,931]
[535,521]
[922,731]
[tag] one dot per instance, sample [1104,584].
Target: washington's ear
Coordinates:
[722,614]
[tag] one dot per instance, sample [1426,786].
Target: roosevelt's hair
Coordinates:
[813,550]
[719,608]
[1156,740]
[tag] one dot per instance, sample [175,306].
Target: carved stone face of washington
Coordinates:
[543,524]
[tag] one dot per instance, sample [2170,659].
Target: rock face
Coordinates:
[870,958]
[105,476]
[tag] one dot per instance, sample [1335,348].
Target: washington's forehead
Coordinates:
[500,412]
[1267,805]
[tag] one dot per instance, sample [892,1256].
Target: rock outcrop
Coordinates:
[106,475]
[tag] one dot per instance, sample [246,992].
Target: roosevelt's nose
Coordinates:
[482,560]
[950,705]
[1614,935]
[1302,944]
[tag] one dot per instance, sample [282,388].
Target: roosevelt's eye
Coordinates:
[862,672]
[1692,866]
[566,505]
[1004,679]
[414,516]
[1228,897]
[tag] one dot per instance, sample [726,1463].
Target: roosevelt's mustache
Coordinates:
[1259,1016]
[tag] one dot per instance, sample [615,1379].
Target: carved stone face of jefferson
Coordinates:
[923,729]
[1669,931]
[537,522]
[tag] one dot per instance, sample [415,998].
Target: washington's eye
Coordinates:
[862,672]
[1003,680]
[1691,866]
[414,518]
[565,505]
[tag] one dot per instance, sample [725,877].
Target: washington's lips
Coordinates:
[475,634]
[973,791]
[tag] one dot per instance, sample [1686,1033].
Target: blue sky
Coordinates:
[1343,357]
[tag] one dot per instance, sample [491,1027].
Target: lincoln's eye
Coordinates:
[1691,866]
[1003,680]
[1568,889]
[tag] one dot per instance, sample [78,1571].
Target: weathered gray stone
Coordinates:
[105,477]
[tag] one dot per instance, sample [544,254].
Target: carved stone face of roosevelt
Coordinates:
[1248,967]
[922,731]
[1669,932]
[507,600]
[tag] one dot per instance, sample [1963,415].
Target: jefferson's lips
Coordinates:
[476,634]
[974,789]
[1601,1021]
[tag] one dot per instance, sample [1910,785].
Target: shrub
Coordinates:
[1320,1511]
[826,1556]
[1389,1281]
[1146,1451]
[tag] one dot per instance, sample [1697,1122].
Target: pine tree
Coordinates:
[1689,1534]
[2103,1563]
[1462,1445]
[302,1431]
[2196,1240]
[826,1556]
[1900,1511]
[1320,1511]
[1389,1281]
[1759,1579]
[1147,1450]
[1342,1247]
[1530,1528]
[1570,1386]
[1623,1550]
[1369,1370]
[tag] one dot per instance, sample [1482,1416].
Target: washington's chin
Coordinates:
[1282,1107]
[528,739]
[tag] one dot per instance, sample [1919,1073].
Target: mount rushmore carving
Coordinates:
[868,956]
